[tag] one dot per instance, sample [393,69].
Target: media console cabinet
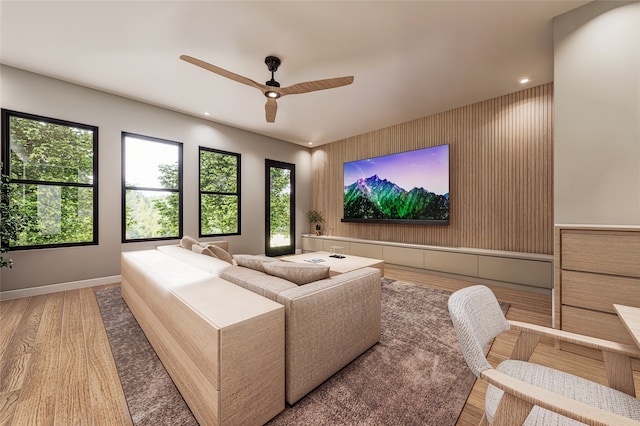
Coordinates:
[528,271]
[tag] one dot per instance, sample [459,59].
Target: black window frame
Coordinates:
[144,188]
[281,250]
[238,192]
[6,167]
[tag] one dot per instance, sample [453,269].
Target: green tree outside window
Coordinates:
[219,192]
[152,188]
[280,200]
[51,172]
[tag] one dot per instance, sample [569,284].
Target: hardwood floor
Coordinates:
[56,366]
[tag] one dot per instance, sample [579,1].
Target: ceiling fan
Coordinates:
[271,88]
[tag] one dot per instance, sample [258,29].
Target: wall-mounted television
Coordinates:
[408,187]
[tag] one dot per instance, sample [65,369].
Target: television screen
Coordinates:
[408,187]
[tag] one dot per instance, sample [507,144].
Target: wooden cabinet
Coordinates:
[526,271]
[595,267]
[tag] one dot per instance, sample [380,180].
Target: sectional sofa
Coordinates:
[237,337]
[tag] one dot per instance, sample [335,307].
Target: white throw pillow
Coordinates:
[197,248]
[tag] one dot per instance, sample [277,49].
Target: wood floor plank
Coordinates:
[15,372]
[37,401]
[73,403]
[21,343]
[8,401]
[11,315]
[4,306]
[107,397]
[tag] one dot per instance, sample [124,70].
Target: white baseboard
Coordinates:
[54,288]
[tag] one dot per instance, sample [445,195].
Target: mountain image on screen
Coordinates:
[375,198]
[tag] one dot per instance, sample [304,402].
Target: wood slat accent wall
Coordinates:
[501,174]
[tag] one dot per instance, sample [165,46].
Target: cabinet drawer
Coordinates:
[454,263]
[311,244]
[595,324]
[403,256]
[615,253]
[599,292]
[327,244]
[372,251]
[521,271]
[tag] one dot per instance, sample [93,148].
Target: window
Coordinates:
[52,167]
[152,188]
[219,193]
[280,206]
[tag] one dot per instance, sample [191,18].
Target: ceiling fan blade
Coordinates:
[312,86]
[228,74]
[270,109]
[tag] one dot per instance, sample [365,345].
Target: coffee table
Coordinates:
[337,266]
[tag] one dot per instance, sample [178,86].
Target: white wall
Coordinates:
[35,94]
[597,114]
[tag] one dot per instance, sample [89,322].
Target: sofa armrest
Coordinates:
[328,324]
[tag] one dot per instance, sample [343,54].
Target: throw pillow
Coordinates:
[222,244]
[219,253]
[298,273]
[208,252]
[197,248]
[188,242]
[253,261]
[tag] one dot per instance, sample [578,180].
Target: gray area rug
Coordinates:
[415,374]
[151,395]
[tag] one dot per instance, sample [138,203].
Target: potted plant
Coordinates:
[316,218]
[12,219]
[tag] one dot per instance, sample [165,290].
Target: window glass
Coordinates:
[280,203]
[280,207]
[152,188]
[52,169]
[219,192]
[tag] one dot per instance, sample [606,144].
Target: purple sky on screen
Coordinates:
[427,168]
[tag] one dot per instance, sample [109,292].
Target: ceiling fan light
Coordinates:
[272,94]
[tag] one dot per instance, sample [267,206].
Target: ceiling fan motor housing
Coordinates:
[273,63]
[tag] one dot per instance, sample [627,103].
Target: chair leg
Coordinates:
[511,411]
[483,420]
[619,372]
[524,347]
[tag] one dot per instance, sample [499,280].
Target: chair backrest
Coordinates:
[478,319]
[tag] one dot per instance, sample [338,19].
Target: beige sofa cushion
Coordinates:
[299,273]
[200,261]
[253,261]
[256,281]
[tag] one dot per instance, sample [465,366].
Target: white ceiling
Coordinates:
[409,59]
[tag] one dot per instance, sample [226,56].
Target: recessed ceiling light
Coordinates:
[206,113]
[310,143]
[525,80]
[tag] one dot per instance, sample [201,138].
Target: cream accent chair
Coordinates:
[521,392]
